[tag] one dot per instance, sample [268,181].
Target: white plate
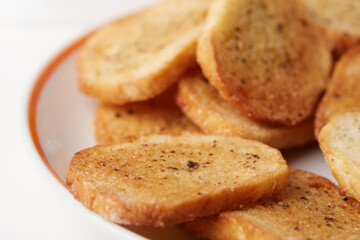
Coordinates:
[61,123]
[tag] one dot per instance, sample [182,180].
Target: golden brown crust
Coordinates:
[227,226]
[340,19]
[125,123]
[166,180]
[203,105]
[136,58]
[266,58]
[339,142]
[343,92]
[311,207]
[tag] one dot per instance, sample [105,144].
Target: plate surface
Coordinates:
[61,123]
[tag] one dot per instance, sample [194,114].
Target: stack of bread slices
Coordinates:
[195,99]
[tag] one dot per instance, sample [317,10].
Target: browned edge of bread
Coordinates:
[343,91]
[116,181]
[245,224]
[203,105]
[287,111]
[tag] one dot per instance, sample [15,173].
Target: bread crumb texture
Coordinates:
[202,103]
[267,58]
[137,57]
[311,207]
[340,140]
[343,92]
[125,123]
[165,180]
[342,15]
[340,19]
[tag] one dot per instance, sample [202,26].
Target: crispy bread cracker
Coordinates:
[266,57]
[166,180]
[139,56]
[125,123]
[203,105]
[343,92]
[311,207]
[340,18]
[340,140]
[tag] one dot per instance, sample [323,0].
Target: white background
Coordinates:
[31,33]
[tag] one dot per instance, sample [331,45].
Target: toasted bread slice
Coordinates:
[311,207]
[339,140]
[266,58]
[139,56]
[340,18]
[203,105]
[125,123]
[343,92]
[165,180]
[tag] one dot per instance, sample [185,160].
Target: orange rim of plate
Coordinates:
[35,95]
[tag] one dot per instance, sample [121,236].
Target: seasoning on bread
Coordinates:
[311,207]
[340,18]
[125,123]
[339,140]
[202,103]
[266,57]
[343,92]
[139,56]
[166,180]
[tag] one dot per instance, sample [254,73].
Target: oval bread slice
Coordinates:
[340,140]
[166,180]
[139,56]
[203,105]
[266,57]
[125,123]
[311,207]
[343,92]
[340,18]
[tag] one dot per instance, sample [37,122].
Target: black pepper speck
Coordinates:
[192,164]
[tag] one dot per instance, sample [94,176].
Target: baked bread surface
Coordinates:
[125,123]
[340,19]
[202,103]
[340,140]
[311,207]
[166,180]
[343,92]
[139,56]
[266,57]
